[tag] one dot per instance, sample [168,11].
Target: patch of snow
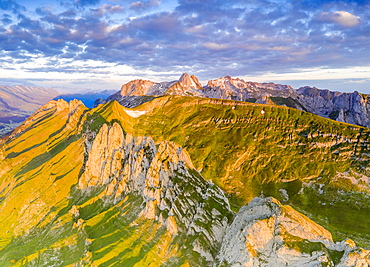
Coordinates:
[135,113]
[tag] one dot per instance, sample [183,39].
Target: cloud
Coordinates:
[79,3]
[208,38]
[11,5]
[107,9]
[144,5]
[341,17]
[215,46]
[6,19]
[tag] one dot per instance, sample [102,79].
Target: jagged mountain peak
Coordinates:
[184,76]
[190,81]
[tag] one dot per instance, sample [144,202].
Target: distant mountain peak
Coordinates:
[184,76]
[190,81]
[347,107]
[136,87]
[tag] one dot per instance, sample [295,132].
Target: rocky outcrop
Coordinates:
[263,233]
[70,197]
[186,86]
[174,194]
[267,233]
[136,87]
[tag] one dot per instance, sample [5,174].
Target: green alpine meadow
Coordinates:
[184,181]
[184,133]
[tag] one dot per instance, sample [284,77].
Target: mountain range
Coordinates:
[18,102]
[184,181]
[351,108]
[88,98]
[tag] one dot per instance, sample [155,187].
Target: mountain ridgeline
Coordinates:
[17,103]
[351,108]
[184,181]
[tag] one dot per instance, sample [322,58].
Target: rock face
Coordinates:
[351,108]
[222,88]
[238,89]
[266,233]
[263,233]
[186,86]
[174,194]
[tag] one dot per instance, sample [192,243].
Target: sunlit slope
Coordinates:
[318,165]
[36,168]
[113,186]
[58,208]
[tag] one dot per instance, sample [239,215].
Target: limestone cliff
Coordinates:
[186,86]
[263,233]
[267,233]
[174,194]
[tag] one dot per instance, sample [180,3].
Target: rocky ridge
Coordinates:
[238,89]
[267,233]
[173,194]
[263,233]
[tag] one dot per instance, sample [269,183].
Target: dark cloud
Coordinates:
[321,3]
[86,2]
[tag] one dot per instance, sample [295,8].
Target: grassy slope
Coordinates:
[234,144]
[248,153]
[39,200]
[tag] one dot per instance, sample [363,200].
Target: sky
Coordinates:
[74,45]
